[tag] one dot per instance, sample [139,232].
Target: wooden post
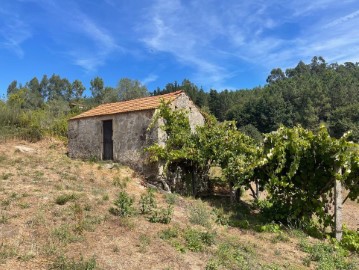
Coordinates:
[338,208]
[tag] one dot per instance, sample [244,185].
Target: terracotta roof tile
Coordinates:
[139,104]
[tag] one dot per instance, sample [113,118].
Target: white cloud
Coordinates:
[150,78]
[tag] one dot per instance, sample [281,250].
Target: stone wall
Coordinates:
[130,137]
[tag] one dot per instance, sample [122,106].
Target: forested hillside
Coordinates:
[308,94]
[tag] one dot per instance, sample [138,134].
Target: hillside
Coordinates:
[54,214]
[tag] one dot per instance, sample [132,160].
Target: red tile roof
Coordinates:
[139,104]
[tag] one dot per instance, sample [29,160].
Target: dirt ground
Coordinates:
[36,230]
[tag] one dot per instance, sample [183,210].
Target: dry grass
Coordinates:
[53,206]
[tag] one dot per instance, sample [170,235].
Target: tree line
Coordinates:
[308,94]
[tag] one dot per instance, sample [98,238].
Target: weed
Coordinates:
[64,234]
[64,198]
[171,198]
[272,227]
[350,240]
[326,256]
[169,233]
[6,176]
[121,183]
[199,214]
[147,202]
[24,205]
[280,237]
[105,197]
[64,263]
[123,205]
[232,256]
[144,242]
[161,215]
[4,218]
[197,240]
[7,252]
[221,217]
[127,223]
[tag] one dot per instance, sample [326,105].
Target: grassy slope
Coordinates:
[35,231]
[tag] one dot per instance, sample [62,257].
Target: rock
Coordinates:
[25,149]
[108,166]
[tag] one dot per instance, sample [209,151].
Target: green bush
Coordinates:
[147,202]
[123,205]
[327,256]
[350,240]
[197,240]
[169,233]
[199,214]
[161,215]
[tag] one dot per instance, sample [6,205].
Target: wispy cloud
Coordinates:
[150,78]
[215,37]
[343,19]
[13,32]
[88,44]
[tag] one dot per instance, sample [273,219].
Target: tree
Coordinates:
[301,169]
[77,88]
[275,75]
[130,89]
[12,88]
[97,89]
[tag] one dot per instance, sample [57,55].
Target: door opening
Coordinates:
[107,140]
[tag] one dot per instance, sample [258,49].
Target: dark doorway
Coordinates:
[107,140]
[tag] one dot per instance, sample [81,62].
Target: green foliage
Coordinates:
[350,240]
[193,154]
[199,214]
[327,256]
[231,255]
[272,227]
[299,169]
[169,233]
[171,198]
[147,202]
[123,205]
[64,263]
[64,198]
[161,215]
[197,240]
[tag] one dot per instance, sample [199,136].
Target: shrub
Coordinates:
[169,233]
[64,198]
[123,205]
[199,214]
[327,256]
[161,215]
[121,183]
[350,240]
[197,240]
[171,198]
[147,202]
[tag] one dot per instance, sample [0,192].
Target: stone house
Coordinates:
[119,131]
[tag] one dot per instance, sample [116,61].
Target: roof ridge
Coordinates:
[138,104]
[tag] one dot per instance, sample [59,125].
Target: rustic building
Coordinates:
[119,131]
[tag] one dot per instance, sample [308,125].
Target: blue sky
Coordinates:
[216,44]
